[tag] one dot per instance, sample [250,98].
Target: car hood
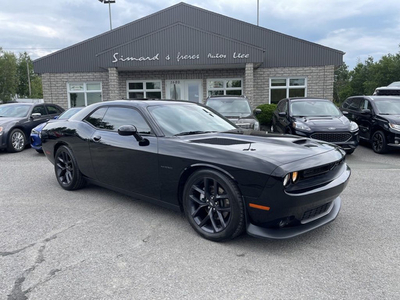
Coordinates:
[5,120]
[274,148]
[395,119]
[325,123]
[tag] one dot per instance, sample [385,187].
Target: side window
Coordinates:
[39,109]
[113,117]
[282,106]
[53,110]
[367,105]
[118,116]
[96,117]
[355,104]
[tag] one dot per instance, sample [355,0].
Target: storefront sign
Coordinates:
[179,57]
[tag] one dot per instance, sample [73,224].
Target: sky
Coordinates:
[360,28]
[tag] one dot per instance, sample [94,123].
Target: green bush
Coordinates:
[265,117]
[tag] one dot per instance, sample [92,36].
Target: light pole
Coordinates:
[109,8]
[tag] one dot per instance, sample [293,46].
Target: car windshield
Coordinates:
[14,110]
[184,119]
[230,107]
[69,113]
[314,108]
[388,106]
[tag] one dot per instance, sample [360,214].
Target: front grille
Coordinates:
[312,214]
[332,137]
[244,125]
[321,169]
[388,92]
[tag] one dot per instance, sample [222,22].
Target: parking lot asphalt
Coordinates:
[98,244]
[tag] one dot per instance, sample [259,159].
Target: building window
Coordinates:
[143,89]
[281,88]
[83,93]
[217,87]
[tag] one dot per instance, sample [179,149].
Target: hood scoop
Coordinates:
[220,141]
[305,142]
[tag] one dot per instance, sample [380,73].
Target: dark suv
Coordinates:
[237,109]
[315,118]
[378,118]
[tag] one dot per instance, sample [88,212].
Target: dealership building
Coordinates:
[188,53]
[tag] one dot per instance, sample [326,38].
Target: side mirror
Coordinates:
[257,111]
[366,112]
[36,115]
[126,130]
[282,114]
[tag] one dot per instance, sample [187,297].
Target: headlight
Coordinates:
[301,126]
[394,126]
[256,125]
[1,130]
[291,177]
[353,126]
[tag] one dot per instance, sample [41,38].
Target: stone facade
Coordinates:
[255,81]
[319,81]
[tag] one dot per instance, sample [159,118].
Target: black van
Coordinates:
[378,118]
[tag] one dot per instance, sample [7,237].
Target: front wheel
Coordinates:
[16,141]
[379,143]
[213,205]
[67,172]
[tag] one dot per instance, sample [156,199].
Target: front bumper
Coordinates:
[289,232]
[292,214]
[36,142]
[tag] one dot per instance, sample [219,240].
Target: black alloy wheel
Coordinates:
[213,205]
[379,144]
[67,171]
[17,141]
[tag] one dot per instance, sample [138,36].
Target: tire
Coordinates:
[67,172]
[350,151]
[16,141]
[39,151]
[379,143]
[215,214]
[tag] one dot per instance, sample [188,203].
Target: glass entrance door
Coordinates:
[190,90]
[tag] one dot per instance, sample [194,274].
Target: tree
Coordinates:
[8,75]
[29,83]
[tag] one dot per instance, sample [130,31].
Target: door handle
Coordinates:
[96,138]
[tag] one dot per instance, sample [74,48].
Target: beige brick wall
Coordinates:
[255,85]
[319,81]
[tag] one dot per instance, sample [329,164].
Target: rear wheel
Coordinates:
[67,171]
[379,143]
[213,205]
[16,141]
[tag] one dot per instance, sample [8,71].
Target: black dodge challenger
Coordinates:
[185,156]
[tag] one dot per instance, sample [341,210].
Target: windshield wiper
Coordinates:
[193,132]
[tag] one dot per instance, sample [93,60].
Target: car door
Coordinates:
[365,119]
[119,161]
[35,120]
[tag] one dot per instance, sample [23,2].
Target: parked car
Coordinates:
[35,137]
[237,109]
[183,155]
[392,89]
[18,119]
[378,118]
[315,118]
